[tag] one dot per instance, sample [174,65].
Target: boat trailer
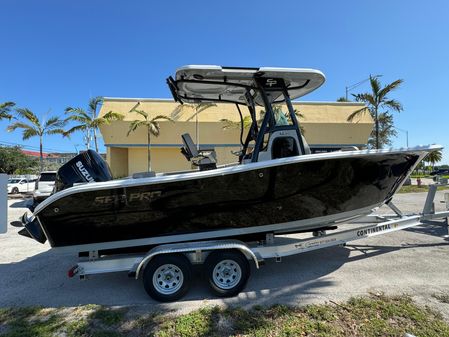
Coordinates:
[166,269]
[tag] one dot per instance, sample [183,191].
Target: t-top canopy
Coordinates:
[204,83]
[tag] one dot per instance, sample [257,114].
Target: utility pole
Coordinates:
[351,87]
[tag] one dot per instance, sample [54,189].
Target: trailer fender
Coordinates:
[197,248]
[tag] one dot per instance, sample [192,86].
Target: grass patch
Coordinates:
[108,316]
[420,175]
[415,188]
[361,316]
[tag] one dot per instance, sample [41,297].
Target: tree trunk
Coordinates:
[149,151]
[377,129]
[95,140]
[87,139]
[41,157]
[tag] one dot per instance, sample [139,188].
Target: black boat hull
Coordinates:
[287,197]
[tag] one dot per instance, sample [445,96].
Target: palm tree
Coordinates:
[197,109]
[434,157]
[33,126]
[229,124]
[89,122]
[375,100]
[343,99]
[247,120]
[152,125]
[5,110]
[279,115]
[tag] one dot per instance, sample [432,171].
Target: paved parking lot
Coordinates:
[414,261]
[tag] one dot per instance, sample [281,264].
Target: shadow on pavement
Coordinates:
[23,203]
[371,250]
[433,228]
[42,280]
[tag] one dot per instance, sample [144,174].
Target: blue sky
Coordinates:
[59,53]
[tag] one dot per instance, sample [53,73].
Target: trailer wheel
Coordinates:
[167,278]
[227,272]
[15,190]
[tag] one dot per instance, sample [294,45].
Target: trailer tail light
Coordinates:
[72,271]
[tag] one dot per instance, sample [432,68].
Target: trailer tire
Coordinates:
[15,190]
[227,272]
[167,277]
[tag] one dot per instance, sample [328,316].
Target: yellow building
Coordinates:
[325,125]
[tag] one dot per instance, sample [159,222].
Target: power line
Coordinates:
[30,147]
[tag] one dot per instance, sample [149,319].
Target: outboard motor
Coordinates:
[87,167]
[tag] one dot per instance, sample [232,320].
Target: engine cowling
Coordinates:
[87,167]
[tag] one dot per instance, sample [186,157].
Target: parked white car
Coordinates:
[44,185]
[20,185]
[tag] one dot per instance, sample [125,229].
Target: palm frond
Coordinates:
[107,118]
[134,125]
[434,156]
[159,117]
[365,98]
[177,112]
[78,112]
[28,130]
[72,110]
[73,129]
[154,128]
[389,88]
[5,115]
[20,125]
[111,115]
[79,118]
[357,113]
[247,121]
[55,132]
[142,113]
[29,115]
[204,106]
[198,108]
[98,122]
[54,122]
[393,104]
[28,133]
[375,85]
[5,109]
[7,106]
[229,124]
[299,114]
[93,104]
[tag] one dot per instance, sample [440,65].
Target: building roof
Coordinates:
[35,153]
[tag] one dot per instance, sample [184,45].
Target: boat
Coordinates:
[276,185]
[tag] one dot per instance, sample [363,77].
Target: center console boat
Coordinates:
[277,186]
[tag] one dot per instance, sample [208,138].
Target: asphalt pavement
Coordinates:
[413,261]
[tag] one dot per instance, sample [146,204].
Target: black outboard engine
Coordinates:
[87,167]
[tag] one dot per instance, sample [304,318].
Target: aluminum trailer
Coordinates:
[166,269]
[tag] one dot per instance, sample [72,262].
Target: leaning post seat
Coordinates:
[204,159]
